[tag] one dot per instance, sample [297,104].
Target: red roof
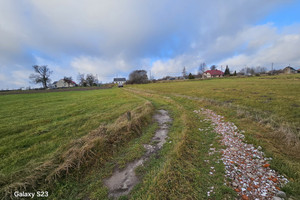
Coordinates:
[214,72]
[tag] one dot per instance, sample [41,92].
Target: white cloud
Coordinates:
[174,67]
[281,49]
[19,78]
[105,69]
[252,46]
[2,77]
[115,37]
[133,28]
[15,79]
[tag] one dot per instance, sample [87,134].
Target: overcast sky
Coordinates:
[112,38]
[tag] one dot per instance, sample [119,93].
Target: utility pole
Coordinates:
[150,75]
[272,68]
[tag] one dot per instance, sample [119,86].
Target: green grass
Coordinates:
[91,184]
[233,96]
[276,95]
[36,127]
[181,171]
[178,171]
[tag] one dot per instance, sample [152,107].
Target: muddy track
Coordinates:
[122,181]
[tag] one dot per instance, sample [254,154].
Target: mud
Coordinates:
[123,181]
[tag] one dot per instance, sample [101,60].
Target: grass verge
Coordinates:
[285,160]
[181,170]
[94,148]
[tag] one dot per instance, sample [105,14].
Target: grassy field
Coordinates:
[270,100]
[38,127]
[267,108]
[275,95]
[179,171]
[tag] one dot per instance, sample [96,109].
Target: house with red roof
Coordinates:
[213,73]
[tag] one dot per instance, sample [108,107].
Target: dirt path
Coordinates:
[247,167]
[123,181]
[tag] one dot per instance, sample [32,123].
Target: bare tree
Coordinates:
[68,80]
[213,67]
[81,80]
[260,70]
[201,68]
[138,76]
[252,71]
[248,71]
[91,80]
[42,74]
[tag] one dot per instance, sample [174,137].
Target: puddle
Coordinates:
[123,181]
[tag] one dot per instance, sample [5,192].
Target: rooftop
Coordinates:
[119,79]
[214,72]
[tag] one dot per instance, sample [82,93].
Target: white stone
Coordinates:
[281,194]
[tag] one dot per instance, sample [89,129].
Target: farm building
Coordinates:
[213,73]
[63,83]
[289,70]
[119,80]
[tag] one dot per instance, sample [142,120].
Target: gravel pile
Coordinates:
[246,167]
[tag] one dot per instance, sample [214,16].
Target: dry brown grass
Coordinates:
[285,133]
[94,148]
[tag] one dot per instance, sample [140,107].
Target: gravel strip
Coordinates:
[246,167]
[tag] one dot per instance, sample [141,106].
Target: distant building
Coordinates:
[62,83]
[119,81]
[289,70]
[213,73]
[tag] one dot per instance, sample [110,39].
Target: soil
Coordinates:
[122,181]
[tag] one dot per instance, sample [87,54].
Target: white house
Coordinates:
[119,81]
[63,83]
[289,70]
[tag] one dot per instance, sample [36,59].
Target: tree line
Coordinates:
[42,75]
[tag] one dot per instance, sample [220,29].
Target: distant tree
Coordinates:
[260,70]
[252,71]
[138,77]
[242,71]
[234,74]
[201,68]
[227,72]
[191,76]
[81,80]
[184,72]
[42,75]
[247,71]
[166,78]
[213,67]
[68,80]
[91,80]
